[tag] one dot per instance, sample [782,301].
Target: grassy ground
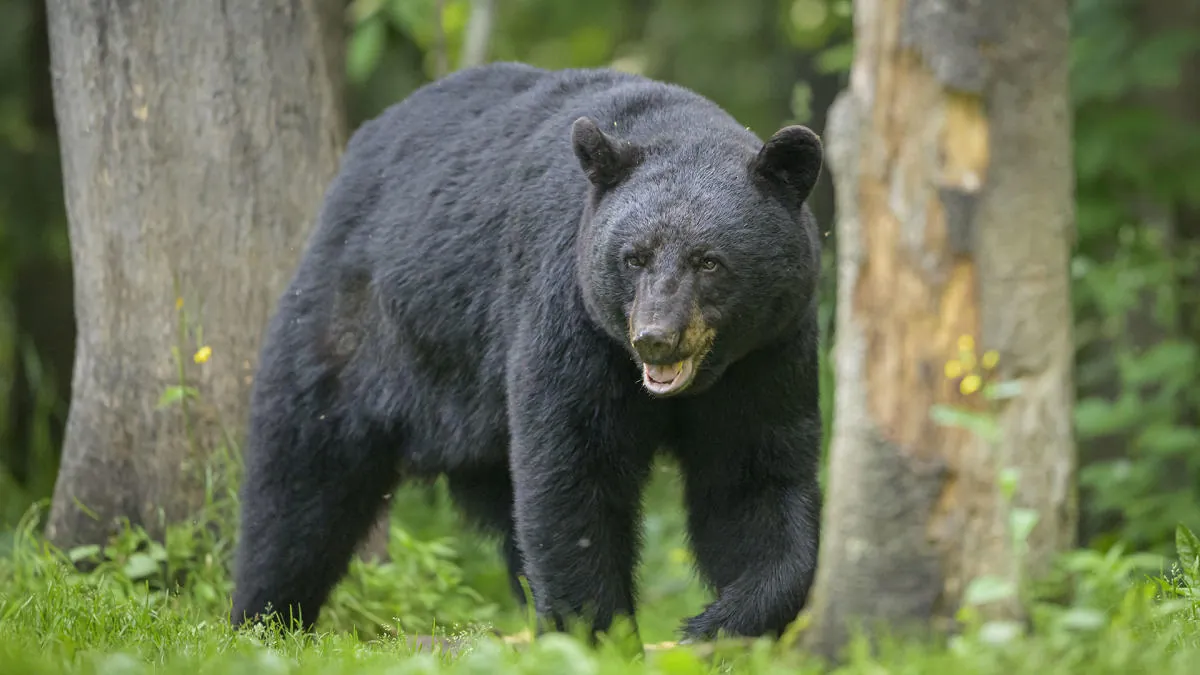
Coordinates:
[162,608]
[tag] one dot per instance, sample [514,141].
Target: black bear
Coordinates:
[531,282]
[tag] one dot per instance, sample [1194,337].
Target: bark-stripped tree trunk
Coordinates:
[952,163]
[197,141]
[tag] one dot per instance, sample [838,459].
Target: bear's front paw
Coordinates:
[703,627]
[726,619]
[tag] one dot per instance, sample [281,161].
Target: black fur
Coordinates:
[465,307]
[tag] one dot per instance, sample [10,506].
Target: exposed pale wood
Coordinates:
[951,158]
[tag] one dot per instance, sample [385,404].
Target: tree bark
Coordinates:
[197,141]
[952,164]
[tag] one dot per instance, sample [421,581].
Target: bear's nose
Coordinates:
[656,343]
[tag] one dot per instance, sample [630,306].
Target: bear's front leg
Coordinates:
[750,459]
[581,452]
[756,540]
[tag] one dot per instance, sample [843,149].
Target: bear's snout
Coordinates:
[656,344]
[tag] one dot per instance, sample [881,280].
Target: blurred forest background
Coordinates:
[1135,88]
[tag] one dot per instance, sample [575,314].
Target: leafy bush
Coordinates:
[1138,169]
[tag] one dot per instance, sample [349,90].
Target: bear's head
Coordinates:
[696,251]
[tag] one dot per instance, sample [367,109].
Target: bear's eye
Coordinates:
[635,260]
[709,264]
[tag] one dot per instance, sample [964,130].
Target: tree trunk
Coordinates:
[197,141]
[952,163]
[478,35]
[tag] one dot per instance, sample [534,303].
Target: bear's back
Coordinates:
[457,207]
[454,211]
[472,179]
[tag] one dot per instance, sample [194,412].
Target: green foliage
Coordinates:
[1188,546]
[54,619]
[739,54]
[423,587]
[440,573]
[1138,173]
[32,237]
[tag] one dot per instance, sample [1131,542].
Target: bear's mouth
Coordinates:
[670,379]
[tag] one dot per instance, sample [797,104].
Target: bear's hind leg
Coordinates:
[315,482]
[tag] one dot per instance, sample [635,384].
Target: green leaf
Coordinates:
[1000,632]
[83,552]
[205,592]
[408,16]
[1096,417]
[1166,439]
[1160,362]
[979,424]
[175,394]
[1022,522]
[139,566]
[1147,562]
[157,552]
[365,49]
[998,391]
[988,589]
[1082,618]
[835,59]
[1188,546]
[802,102]
[361,10]
[1157,63]
[1009,477]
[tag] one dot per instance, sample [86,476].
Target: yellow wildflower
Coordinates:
[966,343]
[990,359]
[970,384]
[178,303]
[202,354]
[953,369]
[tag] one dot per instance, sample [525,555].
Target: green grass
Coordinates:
[162,607]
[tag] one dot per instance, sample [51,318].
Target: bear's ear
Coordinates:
[606,160]
[790,160]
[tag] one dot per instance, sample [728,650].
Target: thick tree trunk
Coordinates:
[197,141]
[952,162]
